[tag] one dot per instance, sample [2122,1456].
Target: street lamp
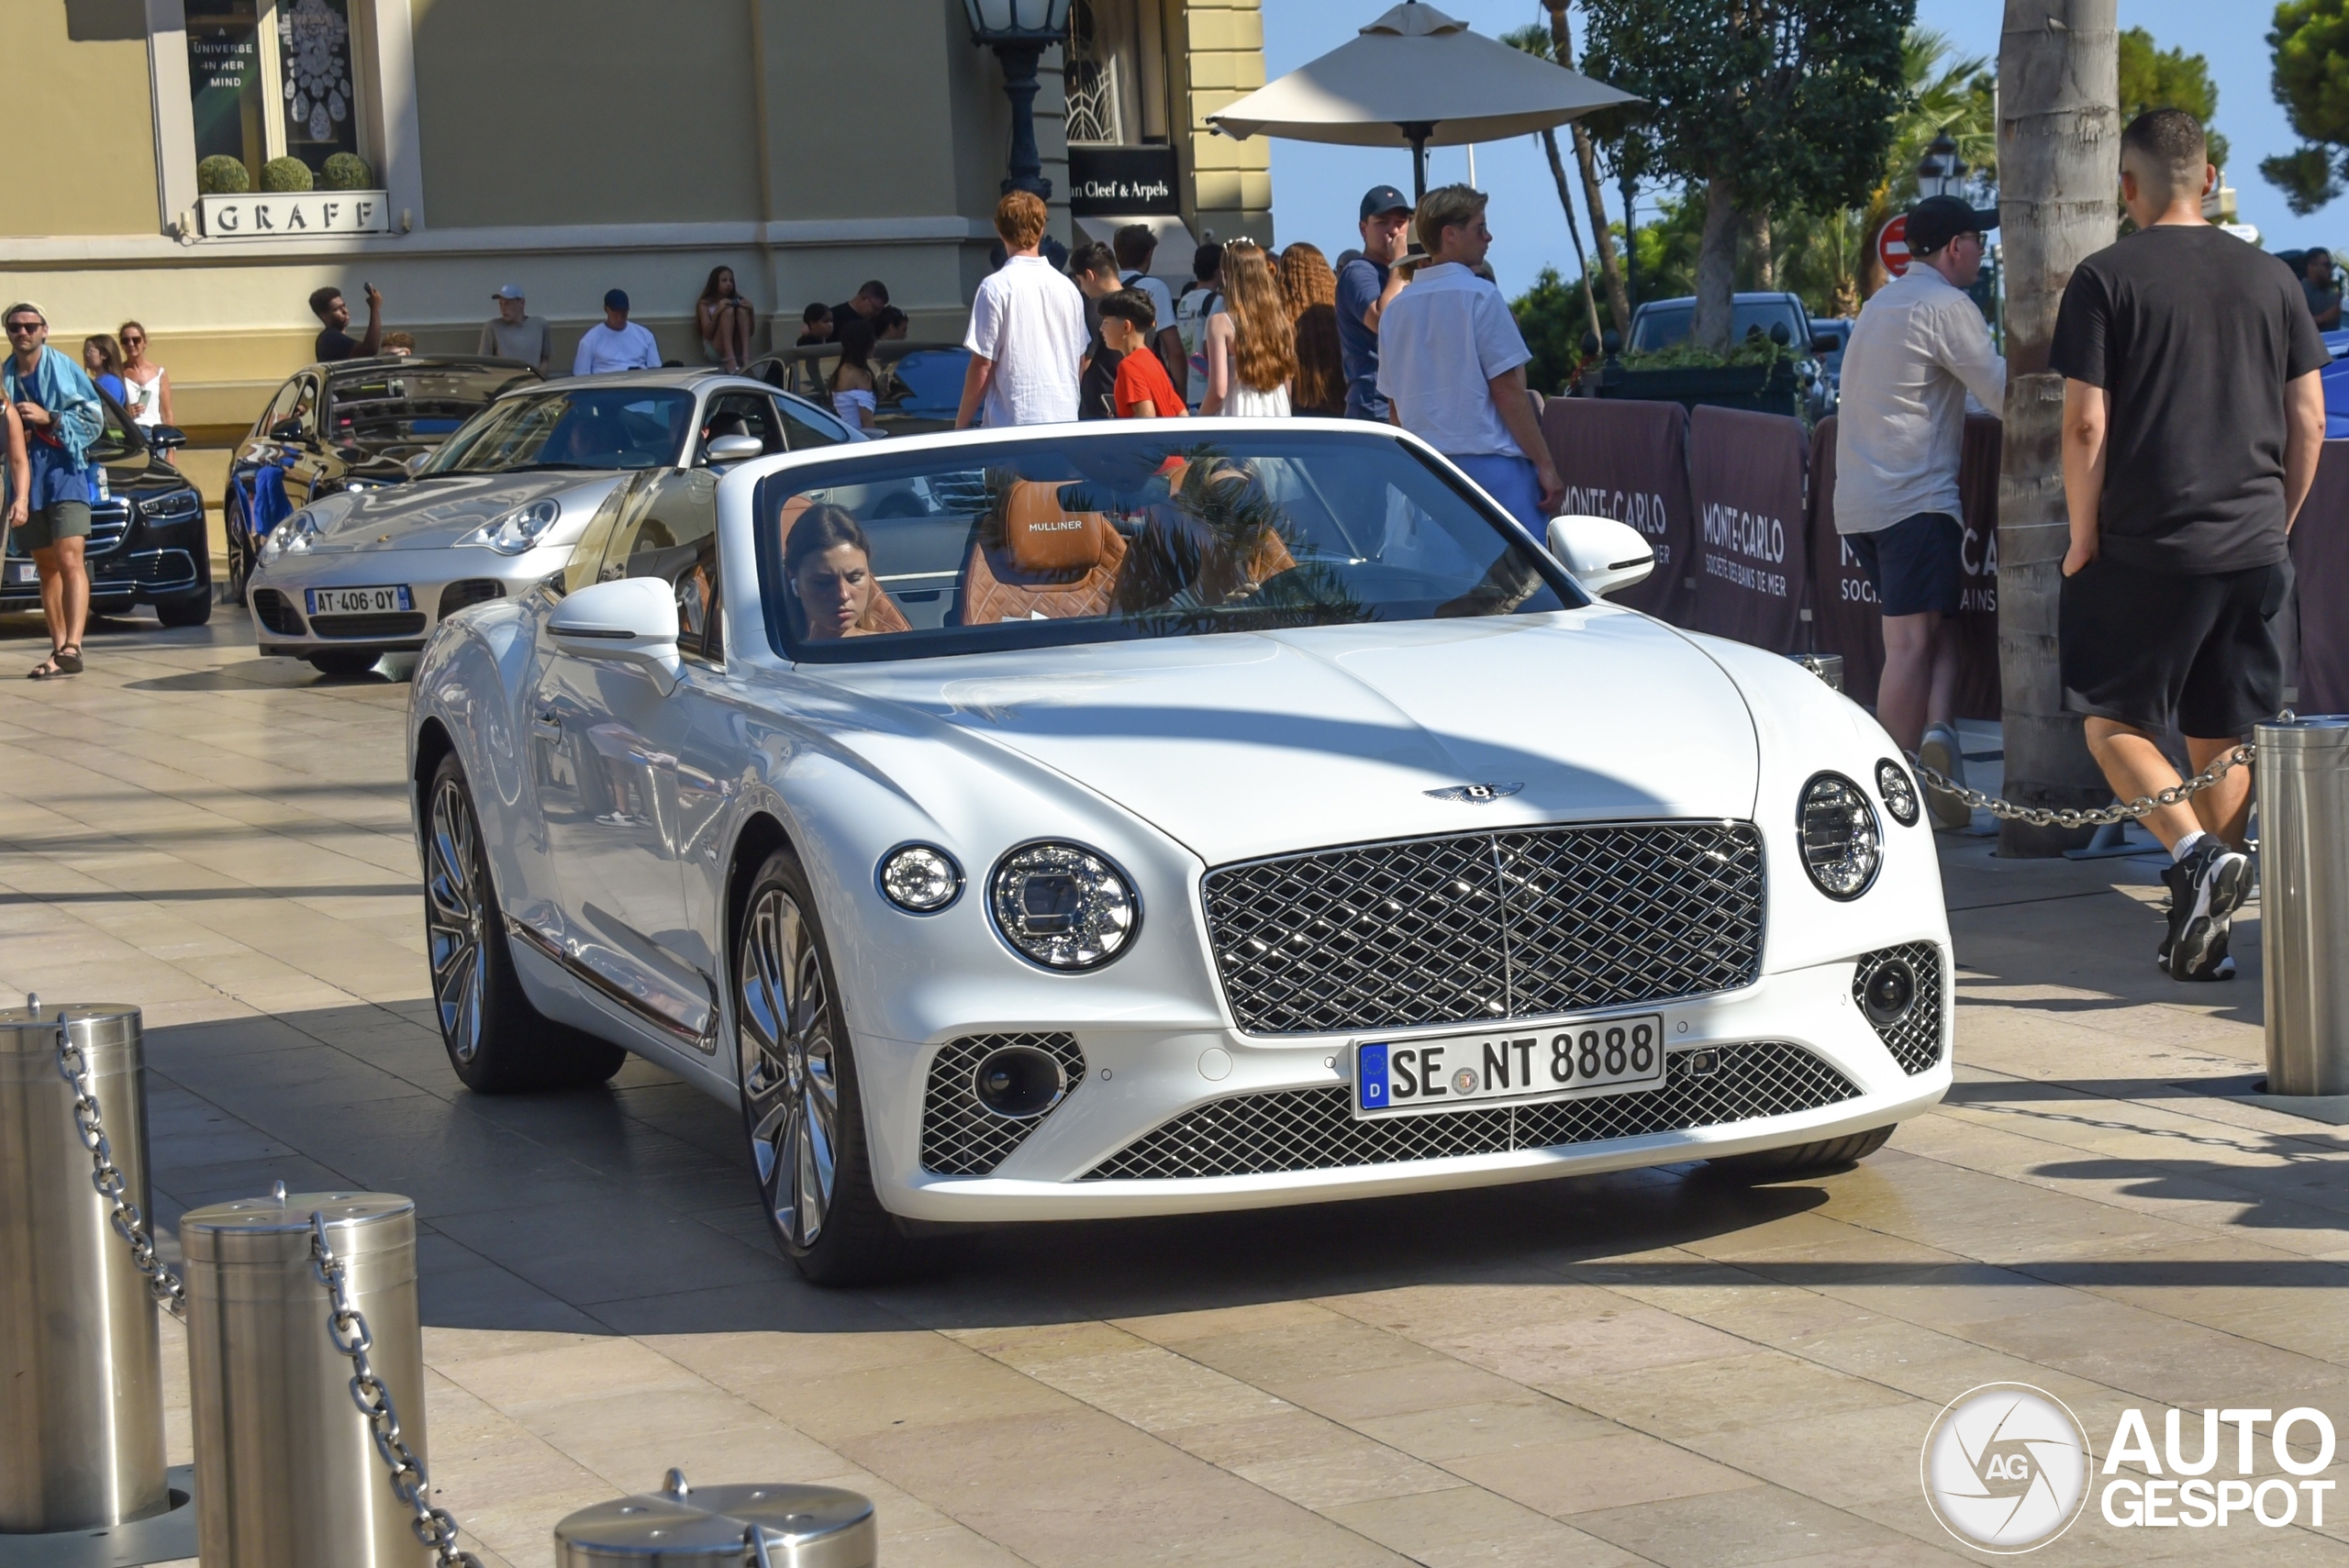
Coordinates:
[1019,31]
[1941,172]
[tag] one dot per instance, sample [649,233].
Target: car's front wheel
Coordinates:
[802,1110]
[189,609]
[1803,1159]
[498,1043]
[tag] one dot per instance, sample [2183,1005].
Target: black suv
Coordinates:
[146,540]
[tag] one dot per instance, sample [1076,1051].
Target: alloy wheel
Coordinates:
[454,918]
[787,1036]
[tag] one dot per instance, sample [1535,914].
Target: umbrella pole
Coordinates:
[1418,131]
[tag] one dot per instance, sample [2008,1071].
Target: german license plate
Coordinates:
[22,572]
[1562,1062]
[358,601]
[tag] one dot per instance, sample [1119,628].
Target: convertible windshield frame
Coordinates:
[453,453]
[1046,454]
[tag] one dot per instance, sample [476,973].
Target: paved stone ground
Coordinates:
[1658,1367]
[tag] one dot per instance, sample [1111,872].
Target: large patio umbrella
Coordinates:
[1417,78]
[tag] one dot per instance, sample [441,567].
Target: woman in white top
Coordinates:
[1252,350]
[726,320]
[146,386]
[853,397]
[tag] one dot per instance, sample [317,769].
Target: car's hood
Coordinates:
[434,514]
[1243,745]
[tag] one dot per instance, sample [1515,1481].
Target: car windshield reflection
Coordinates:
[1118,537]
[590,428]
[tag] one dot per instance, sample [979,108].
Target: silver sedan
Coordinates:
[498,507]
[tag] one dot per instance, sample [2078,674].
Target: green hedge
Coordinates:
[348,172]
[285,174]
[221,176]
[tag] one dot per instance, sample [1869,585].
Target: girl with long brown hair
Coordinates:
[726,320]
[1252,348]
[1311,289]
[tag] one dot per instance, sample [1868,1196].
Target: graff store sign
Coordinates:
[1121,182]
[254,216]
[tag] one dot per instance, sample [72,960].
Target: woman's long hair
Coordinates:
[709,289]
[856,344]
[109,356]
[1311,289]
[1265,348]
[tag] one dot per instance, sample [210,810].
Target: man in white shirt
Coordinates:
[619,344]
[1451,362]
[1028,335]
[514,334]
[1919,346]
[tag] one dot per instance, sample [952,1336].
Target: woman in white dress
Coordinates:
[854,396]
[1252,350]
[146,386]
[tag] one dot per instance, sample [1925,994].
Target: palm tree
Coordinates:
[1958,97]
[1555,44]
[2059,126]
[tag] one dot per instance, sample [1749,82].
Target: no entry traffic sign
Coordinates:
[1892,245]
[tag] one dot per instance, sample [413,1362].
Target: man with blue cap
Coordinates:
[619,344]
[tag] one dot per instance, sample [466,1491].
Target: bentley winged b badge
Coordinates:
[1476,793]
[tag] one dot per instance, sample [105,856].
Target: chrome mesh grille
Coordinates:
[1314,1129]
[1915,1038]
[960,1137]
[1514,924]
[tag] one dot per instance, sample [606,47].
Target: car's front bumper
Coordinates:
[1139,1081]
[440,584]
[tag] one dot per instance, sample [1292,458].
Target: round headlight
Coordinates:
[520,530]
[1898,791]
[1064,906]
[1841,845]
[919,879]
[291,537]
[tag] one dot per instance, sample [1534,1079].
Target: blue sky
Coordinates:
[1316,188]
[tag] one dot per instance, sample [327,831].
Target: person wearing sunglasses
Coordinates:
[61,417]
[147,386]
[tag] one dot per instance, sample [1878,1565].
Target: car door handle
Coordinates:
[547,722]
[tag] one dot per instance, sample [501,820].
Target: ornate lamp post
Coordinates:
[1941,172]
[1019,31]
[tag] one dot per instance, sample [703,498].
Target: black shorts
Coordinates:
[1914,565]
[2157,650]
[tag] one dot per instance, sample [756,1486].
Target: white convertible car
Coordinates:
[1132,820]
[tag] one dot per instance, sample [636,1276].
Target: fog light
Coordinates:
[1018,1082]
[1890,992]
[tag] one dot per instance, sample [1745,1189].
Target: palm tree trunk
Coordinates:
[2059,126]
[1717,267]
[1757,240]
[1610,266]
[1566,200]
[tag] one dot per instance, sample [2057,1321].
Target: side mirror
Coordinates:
[414,465]
[165,437]
[1603,554]
[633,620]
[285,430]
[734,449]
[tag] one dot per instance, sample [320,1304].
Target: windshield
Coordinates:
[1659,326]
[418,405]
[1130,535]
[577,427]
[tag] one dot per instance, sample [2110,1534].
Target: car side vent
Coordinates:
[1899,992]
[988,1093]
[471,591]
[277,613]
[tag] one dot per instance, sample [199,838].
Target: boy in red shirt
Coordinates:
[1143,391]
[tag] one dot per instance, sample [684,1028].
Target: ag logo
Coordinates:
[2006,1467]
[1476,793]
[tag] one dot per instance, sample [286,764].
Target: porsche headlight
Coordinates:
[292,537]
[518,529]
[1898,791]
[1062,906]
[1841,844]
[920,880]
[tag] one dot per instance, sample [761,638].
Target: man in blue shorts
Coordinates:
[1919,346]
[61,417]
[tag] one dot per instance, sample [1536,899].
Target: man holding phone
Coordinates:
[335,343]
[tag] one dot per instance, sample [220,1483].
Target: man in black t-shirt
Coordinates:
[1094,269]
[334,343]
[2192,421]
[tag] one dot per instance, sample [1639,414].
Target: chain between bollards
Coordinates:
[2067,816]
[89,1121]
[347,1331]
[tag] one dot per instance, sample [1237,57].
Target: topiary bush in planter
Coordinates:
[221,176]
[285,174]
[348,172]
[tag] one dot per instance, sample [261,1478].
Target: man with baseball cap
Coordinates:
[1920,346]
[616,343]
[512,334]
[1368,282]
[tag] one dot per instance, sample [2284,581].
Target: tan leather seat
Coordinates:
[1049,563]
[882,615]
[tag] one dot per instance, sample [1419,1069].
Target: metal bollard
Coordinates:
[81,1360]
[2303,783]
[286,1472]
[722,1527]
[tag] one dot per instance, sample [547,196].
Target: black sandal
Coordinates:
[69,659]
[47,670]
